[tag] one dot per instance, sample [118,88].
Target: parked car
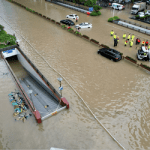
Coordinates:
[117,6]
[72,16]
[141,14]
[110,54]
[67,22]
[147,12]
[84,25]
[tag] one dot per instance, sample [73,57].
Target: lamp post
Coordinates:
[61,87]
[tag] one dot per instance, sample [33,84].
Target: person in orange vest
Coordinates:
[146,43]
[143,43]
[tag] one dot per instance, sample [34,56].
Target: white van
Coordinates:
[117,6]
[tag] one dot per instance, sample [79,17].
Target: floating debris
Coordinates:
[20,106]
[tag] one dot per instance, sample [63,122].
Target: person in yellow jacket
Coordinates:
[128,37]
[111,32]
[132,37]
[114,36]
[149,47]
[131,43]
[124,36]
[125,44]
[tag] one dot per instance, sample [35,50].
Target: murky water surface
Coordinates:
[117,93]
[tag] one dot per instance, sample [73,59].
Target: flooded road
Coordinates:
[117,93]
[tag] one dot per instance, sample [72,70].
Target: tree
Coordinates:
[96,8]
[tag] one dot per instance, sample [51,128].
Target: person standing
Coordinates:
[117,39]
[125,44]
[149,47]
[143,43]
[115,42]
[146,43]
[128,37]
[76,19]
[115,36]
[131,43]
[124,36]
[132,37]
[111,32]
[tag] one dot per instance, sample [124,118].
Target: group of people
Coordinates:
[129,39]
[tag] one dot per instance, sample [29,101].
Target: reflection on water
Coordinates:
[117,93]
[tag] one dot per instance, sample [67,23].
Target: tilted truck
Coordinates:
[138,7]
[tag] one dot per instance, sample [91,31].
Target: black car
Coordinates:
[110,53]
[68,22]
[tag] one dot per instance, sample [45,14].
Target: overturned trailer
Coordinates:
[143,53]
[40,96]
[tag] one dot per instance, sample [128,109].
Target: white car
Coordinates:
[117,6]
[84,25]
[72,16]
[141,14]
[147,12]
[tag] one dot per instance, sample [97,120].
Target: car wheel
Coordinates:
[88,27]
[67,17]
[73,18]
[112,59]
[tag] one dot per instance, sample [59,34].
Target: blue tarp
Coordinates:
[9,51]
[90,8]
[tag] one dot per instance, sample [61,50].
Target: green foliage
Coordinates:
[147,67]
[104,46]
[137,17]
[131,59]
[115,17]
[70,29]
[74,1]
[76,32]
[89,3]
[110,19]
[142,18]
[96,7]
[4,38]
[94,41]
[94,13]
[121,53]
[63,26]
[85,36]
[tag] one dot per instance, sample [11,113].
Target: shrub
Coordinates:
[76,32]
[4,37]
[142,18]
[94,13]
[137,17]
[115,17]
[63,26]
[96,8]
[131,58]
[145,66]
[110,19]
[1,27]
[85,36]
[104,46]
[70,29]
[94,41]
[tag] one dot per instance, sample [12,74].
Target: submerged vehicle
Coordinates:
[67,22]
[84,25]
[110,54]
[143,54]
[72,16]
[41,97]
[117,6]
[138,7]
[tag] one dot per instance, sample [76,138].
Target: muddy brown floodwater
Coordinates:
[118,93]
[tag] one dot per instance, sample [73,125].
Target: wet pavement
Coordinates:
[117,93]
